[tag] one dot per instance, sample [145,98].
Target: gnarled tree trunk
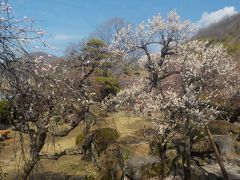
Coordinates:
[37,141]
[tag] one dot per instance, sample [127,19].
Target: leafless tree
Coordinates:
[107,31]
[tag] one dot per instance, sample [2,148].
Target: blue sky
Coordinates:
[68,21]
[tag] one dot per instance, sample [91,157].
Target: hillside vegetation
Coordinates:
[227,31]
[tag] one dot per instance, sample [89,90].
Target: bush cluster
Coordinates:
[4,112]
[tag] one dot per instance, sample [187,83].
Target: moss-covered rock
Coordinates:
[225,144]
[142,168]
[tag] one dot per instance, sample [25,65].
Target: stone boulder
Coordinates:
[225,144]
[222,127]
[142,168]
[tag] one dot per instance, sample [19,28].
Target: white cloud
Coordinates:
[63,37]
[216,16]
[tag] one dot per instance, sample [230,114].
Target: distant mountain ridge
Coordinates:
[48,58]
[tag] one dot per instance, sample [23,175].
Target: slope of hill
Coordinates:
[226,31]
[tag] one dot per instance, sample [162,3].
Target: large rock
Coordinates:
[222,127]
[237,147]
[225,144]
[142,168]
[213,171]
[235,128]
[199,173]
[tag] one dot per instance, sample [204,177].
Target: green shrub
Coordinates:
[197,133]
[107,65]
[110,85]
[232,48]
[94,49]
[103,72]
[79,139]
[102,137]
[105,135]
[4,111]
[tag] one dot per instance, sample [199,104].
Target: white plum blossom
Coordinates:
[156,31]
[204,74]
[16,30]
[167,33]
[36,90]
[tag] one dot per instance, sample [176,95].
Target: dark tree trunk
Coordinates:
[27,169]
[162,155]
[37,141]
[187,153]
[187,171]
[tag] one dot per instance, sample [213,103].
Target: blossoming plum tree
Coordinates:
[15,35]
[185,80]
[37,91]
[164,34]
